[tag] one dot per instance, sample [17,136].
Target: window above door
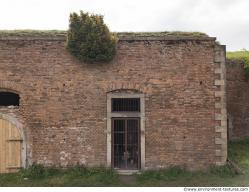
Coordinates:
[125,104]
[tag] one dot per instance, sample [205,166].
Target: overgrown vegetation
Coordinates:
[241,57]
[37,175]
[239,153]
[62,33]
[37,171]
[89,39]
[177,176]
[33,33]
[164,174]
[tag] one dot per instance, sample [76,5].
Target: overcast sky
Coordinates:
[228,20]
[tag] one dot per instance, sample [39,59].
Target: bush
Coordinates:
[89,39]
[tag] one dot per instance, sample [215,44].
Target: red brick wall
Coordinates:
[237,100]
[63,101]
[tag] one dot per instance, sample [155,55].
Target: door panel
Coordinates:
[119,143]
[132,143]
[10,147]
[125,141]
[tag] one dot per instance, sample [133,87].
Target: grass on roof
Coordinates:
[165,33]
[28,32]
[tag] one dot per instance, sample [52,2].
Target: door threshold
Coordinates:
[127,172]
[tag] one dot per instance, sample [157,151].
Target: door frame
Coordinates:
[138,142]
[111,115]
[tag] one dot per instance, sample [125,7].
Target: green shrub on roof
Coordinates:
[89,39]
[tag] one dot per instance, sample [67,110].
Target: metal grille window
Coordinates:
[125,104]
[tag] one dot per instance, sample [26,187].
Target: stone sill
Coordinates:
[127,172]
[9,107]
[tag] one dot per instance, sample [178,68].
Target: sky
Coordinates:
[228,20]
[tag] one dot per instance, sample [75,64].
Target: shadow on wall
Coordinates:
[237,100]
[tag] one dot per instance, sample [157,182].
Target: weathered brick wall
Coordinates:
[237,101]
[63,101]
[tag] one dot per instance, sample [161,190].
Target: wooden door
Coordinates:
[10,147]
[125,143]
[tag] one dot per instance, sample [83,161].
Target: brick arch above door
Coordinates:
[141,88]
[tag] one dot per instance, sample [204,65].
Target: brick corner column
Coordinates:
[220,106]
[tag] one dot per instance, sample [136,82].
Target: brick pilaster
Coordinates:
[220,106]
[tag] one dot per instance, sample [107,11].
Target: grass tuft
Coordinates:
[239,153]
[222,171]
[34,172]
[38,175]
[171,173]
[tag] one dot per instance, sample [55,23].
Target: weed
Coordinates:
[33,172]
[222,171]
[164,174]
[175,176]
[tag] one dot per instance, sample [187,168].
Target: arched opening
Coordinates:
[9,99]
